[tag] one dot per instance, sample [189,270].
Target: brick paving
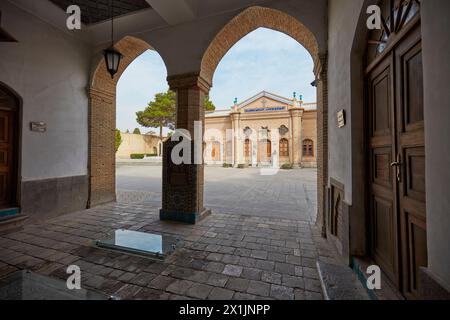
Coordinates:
[222,257]
[289,194]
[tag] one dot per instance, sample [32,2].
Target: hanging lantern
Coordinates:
[112,56]
[112,59]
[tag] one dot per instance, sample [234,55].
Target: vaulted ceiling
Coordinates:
[94,11]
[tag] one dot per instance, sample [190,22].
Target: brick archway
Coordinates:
[102,122]
[249,20]
[256,17]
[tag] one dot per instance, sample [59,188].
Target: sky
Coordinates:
[263,60]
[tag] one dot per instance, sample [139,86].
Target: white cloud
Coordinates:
[262,60]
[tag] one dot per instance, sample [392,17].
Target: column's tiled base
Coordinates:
[191,218]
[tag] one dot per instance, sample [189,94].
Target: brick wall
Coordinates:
[102,123]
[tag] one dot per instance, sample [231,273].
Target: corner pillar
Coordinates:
[183,184]
[236,126]
[321,73]
[102,154]
[296,115]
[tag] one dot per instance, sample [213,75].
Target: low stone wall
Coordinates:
[137,143]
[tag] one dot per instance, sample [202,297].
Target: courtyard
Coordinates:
[236,253]
[355,88]
[288,194]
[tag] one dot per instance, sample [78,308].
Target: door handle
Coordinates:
[397,165]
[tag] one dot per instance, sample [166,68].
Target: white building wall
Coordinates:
[49,70]
[436,65]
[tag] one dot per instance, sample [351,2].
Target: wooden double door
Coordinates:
[264,151]
[215,151]
[8,149]
[397,162]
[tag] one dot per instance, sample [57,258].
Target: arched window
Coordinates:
[308,148]
[284,148]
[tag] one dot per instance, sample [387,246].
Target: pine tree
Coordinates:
[160,113]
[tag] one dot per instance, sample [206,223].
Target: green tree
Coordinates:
[118,139]
[209,106]
[160,112]
[137,131]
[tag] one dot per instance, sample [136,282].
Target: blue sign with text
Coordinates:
[268,109]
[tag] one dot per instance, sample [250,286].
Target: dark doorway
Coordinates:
[9,108]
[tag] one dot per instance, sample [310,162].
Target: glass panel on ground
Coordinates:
[154,245]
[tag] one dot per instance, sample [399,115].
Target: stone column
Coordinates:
[254,152]
[208,149]
[291,137]
[236,138]
[183,184]
[296,115]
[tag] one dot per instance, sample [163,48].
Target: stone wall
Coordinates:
[137,143]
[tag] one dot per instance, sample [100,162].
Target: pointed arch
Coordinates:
[131,48]
[253,18]
[249,20]
[102,121]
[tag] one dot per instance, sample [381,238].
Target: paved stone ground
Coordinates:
[226,256]
[289,194]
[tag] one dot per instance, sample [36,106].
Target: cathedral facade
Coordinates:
[266,130]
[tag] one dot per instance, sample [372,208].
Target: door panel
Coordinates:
[7,164]
[215,152]
[411,146]
[8,148]
[416,241]
[264,151]
[247,151]
[383,238]
[384,213]
[396,145]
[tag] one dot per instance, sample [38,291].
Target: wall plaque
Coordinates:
[341,118]
[38,126]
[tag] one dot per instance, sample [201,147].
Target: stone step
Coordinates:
[12,223]
[8,212]
[339,282]
[388,290]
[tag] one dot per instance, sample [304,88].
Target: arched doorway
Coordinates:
[308,148]
[256,17]
[102,122]
[247,151]
[9,147]
[265,151]
[215,151]
[396,155]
